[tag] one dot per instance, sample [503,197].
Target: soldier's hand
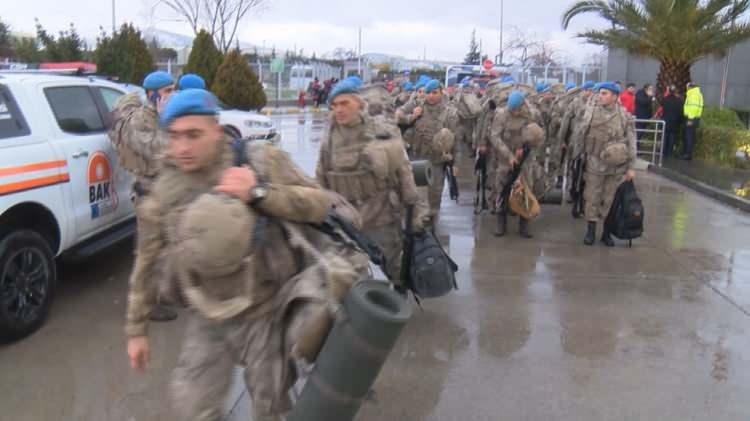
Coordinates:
[519,153]
[417,112]
[513,162]
[482,149]
[455,171]
[139,353]
[237,182]
[629,175]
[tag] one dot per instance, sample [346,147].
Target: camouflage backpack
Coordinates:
[135,135]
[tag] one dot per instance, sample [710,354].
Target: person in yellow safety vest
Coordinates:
[693,111]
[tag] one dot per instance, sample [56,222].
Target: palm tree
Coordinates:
[676,32]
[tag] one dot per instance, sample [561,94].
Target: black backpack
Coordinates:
[625,218]
[431,270]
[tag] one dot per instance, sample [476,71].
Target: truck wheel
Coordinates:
[27,281]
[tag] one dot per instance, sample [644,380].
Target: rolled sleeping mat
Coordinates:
[422,171]
[353,354]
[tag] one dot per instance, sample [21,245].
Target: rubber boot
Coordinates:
[590,234]
[502,223]
[523,225]
[607,239]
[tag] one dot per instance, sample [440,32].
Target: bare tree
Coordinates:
[221,18]
[528,49]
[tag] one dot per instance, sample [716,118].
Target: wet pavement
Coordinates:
[541,329]
[731,180]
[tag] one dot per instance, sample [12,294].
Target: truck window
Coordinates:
[12,123]
[75,109]
[110,97]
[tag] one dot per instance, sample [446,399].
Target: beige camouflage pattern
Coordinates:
[273,276]
[137,139]
[366,163]
[600,128]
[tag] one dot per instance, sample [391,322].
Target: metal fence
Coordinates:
[551,74]
[296,77]
[650,135]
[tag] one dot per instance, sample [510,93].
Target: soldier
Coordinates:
[139,144]
[468,108]
[363,159]
[512,127]
[407,89]
[255,295]
[574,112]
[608,137]
[429,121]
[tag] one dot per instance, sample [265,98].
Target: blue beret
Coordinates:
[569,86]
[423,78]
[420,84]
[157,80]
[588,85]
[431,86]
[610,86]
[346,86]
[191,81]
[542,87]
[408,86]
[507,79]
[466,82]
[355,80]
[515,100]
[188,102]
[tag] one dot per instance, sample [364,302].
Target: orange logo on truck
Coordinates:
[102,195]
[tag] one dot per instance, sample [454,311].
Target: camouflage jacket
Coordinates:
[433,119]
[291,197]
[599,128]
[367,164]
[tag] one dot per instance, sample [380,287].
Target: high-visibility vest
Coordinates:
[693,103]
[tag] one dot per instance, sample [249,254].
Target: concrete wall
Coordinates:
[707,73]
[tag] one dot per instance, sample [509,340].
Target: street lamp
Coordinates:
[113,16]
[500,56]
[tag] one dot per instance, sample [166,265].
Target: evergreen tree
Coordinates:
[237,85]
[27,50]
[124,55]
[6,43]
[68,46]
[473,56]
[205,58]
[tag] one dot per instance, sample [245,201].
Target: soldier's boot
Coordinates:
[607,238]
[502,223]
[523,225]
[590,234]
[162,313]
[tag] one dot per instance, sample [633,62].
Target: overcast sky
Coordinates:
[400,27]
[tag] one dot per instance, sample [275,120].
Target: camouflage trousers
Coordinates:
[390,240]
[599,193]
[465,132]
[435,189]
[260,344]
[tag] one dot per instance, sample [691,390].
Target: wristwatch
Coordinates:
[258,193]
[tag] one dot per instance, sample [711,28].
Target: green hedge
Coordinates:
[720,136]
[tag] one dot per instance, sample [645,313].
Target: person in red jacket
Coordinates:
[627,98]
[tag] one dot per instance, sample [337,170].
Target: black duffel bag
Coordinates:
[432,272]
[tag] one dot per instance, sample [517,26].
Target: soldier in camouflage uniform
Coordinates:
[428,120]
[139,144]
[512,127]
[260,295]
[407,90]
[468,108]
[364,160]
[573,112]
[608,136]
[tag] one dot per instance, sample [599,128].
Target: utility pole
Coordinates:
[113,17]
[359,54]
[500,56]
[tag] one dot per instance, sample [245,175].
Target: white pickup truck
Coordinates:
[62,191]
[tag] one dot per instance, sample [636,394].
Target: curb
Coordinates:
[291,110]
[703,188]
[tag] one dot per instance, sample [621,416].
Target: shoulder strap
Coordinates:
[239,147]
